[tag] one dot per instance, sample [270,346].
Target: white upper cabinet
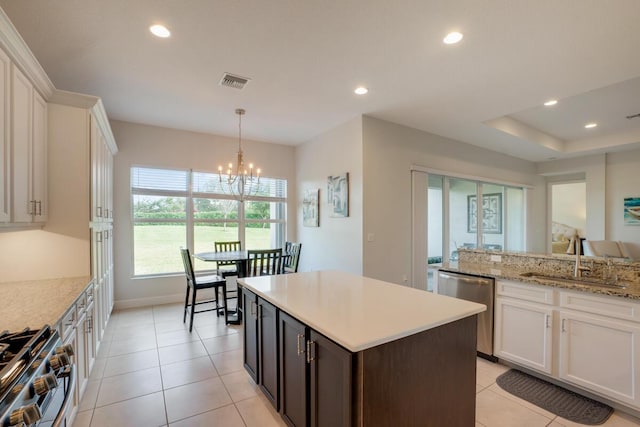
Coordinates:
[29,151]
[21,106]
[39,158]
[101,176]
[5,135]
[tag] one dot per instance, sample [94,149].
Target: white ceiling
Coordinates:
[305,58]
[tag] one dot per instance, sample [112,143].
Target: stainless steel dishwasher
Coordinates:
[477,289]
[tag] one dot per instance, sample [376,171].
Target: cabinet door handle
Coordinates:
[311,346]
[547,320]
[99,211]
[563,329]
[39,202]
[32,207]
[251,309]
[99,236]
[259,311]
[300,346]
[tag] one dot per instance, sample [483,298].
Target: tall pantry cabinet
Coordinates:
[82,148]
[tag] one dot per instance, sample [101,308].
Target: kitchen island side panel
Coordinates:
[426,379]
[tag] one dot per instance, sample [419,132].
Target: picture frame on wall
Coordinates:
[491,213]
[311,208]
[338,195]
[632,210]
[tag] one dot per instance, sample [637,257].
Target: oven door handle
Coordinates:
[68,398]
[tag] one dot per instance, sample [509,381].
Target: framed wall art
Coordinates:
[632,211]
[311,208]
[491,213]
[338,195]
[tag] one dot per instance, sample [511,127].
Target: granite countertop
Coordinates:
[631,291]
[358,312]
[38,302]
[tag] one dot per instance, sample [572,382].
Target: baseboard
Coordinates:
[145,302]
[158,300]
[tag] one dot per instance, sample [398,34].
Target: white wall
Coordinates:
[337,243]
[142,145]
[623,180]
[389,152]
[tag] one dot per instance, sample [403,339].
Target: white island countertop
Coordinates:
[358,312]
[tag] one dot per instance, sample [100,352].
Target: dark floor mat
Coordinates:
[564,403]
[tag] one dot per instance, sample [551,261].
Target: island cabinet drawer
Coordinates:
[533,293]
[606,305]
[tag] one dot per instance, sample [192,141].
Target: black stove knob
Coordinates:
[27,414]
[59,361]
[43,384]
[65,348]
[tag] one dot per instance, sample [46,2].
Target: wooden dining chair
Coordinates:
[201,282]
[291,257]
[265,262]
[229,268]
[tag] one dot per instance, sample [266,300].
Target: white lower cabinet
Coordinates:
[587,340]
[600,355]
[76,328]
[525,334]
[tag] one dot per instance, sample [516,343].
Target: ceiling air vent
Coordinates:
[231,80]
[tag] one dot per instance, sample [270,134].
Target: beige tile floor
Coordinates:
[150,371]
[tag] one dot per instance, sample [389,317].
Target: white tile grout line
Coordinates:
[164,397]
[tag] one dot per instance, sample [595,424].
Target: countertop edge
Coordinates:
[473,309]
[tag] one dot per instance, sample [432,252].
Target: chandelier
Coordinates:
[240,182]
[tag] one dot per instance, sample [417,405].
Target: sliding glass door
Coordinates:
[461,213]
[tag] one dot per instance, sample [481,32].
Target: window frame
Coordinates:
[190,222]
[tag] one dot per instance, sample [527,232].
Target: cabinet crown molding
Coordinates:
[14,45]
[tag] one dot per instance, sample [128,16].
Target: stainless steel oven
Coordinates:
[37,379]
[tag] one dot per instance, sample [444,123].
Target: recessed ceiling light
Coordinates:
[551,102]
[160,31]
[452,38]
[361,90]
[590,125]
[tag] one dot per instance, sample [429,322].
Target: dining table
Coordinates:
[240,258]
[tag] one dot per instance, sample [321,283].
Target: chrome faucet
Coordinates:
[579,268]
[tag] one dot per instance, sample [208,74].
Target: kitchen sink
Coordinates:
[574,280]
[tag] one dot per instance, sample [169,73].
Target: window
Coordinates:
[174,208]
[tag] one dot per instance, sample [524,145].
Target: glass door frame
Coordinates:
[419,209]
